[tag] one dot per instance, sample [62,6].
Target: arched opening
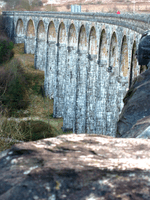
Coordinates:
[113,51]
[20,28]
[70,80]
[82,39]
[62,34]
[51,32]
[51,64]
[103,55]
[30,42]
[92,42]
[124,57]
[41,34]
[72,40]
[20,33]
[30,29]
[133,68]
[41,47]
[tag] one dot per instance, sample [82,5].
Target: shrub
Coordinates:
[11,129]
[6,47]
[13,93]
[26,130]
[35,130]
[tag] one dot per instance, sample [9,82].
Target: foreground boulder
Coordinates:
[134,120]
[76,167]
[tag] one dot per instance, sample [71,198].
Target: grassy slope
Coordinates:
[38,113]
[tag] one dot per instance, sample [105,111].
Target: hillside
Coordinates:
[86,5]
[99,5]
[25,113]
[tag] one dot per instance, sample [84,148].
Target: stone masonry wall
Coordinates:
[88,59]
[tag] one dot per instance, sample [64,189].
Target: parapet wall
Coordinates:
[136,22]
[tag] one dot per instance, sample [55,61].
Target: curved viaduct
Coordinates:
[88,59]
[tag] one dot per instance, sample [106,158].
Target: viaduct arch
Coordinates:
[88,60]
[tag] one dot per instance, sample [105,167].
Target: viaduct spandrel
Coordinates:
[88,59]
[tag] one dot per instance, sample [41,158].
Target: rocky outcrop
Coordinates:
[134,120]
[76,167]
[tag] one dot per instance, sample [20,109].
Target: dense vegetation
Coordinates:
[6,45]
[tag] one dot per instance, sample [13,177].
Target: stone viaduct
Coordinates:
[88,60]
